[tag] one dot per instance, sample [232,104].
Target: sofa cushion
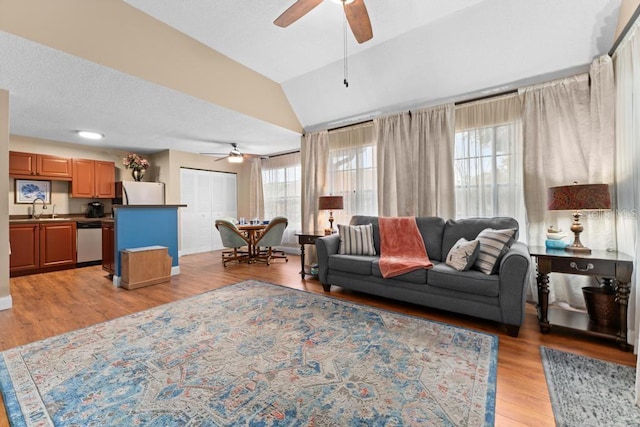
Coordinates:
[470,281]
[469,228]
[416,276]
[463,254]
[358,264]
[431,229]
[493,245]
[356,239]
[373,220]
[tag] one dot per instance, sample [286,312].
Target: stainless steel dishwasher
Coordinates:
[89,243]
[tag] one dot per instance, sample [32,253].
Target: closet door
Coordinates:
[208,195]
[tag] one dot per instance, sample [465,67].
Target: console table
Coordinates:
[613,267]
[306,238]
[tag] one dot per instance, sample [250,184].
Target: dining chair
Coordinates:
[270,237]
[234,239]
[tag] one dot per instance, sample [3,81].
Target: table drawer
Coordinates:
[307,240]
[584,266]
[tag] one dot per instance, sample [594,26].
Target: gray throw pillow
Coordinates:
[356,239]
[463,254]
[493,245]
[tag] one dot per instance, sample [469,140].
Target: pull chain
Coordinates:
[344,33]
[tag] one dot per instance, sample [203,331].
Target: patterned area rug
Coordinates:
[255,354]
[590,392]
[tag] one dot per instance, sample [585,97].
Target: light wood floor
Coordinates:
[49,304]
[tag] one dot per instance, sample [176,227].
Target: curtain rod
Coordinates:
[625,31]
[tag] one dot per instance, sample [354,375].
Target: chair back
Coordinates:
[272,235]
[230,235]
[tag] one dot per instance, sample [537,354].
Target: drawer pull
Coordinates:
[575,266]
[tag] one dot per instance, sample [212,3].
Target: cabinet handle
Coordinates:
[575,266]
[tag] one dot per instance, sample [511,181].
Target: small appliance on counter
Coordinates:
[95,210]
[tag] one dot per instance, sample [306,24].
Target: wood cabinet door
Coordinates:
[22,163]
[57,244]
[105,178]
[83,183]
[108,257]
[24,240]
[53,166]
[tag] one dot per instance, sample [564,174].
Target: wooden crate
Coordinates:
[145,266]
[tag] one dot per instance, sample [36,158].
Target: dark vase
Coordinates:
[137,174]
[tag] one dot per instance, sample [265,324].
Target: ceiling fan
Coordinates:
[234,156]
[355,11]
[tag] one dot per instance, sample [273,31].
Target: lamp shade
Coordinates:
[329,203]
[579,197]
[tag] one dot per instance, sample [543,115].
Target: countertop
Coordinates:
[23,219]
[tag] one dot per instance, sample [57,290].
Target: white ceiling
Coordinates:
[422,53]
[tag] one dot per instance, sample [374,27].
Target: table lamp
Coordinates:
[330,203]
[577,198]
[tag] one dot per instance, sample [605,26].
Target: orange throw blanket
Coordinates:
[401,247]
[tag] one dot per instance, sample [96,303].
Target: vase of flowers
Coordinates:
[137,164]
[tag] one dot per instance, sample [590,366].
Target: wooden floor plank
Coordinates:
[50,304]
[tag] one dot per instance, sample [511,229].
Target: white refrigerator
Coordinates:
[141,193]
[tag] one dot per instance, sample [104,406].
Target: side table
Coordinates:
[613,267]
[306,238]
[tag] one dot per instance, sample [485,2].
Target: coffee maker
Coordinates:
[95,210]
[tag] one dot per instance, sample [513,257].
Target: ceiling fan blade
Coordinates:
[295,12]
[221,158]
[358,19]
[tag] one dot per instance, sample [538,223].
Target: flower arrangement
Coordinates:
[136,162]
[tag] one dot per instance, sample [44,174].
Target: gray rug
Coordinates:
[590,392]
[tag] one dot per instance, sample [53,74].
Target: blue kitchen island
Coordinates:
[137,226]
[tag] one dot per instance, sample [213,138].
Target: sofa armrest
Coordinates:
[514,279]
[325,246]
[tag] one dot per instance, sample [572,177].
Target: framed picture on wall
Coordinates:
[28,190]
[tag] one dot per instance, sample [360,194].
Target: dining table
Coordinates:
[253,233]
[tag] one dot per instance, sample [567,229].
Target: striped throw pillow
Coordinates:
[356,239]
[493,245]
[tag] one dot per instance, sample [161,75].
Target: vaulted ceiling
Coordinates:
[197,74]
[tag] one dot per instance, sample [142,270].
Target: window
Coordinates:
[488,159]
[281,183]
[352,172]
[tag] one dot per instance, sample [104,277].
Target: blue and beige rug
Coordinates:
[255,354]
[590,392]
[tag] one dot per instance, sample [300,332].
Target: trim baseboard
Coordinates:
[6,302]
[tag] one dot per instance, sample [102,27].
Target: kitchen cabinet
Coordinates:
[25,247]
[38,247]
[108,258]
[39,166]
[93,179]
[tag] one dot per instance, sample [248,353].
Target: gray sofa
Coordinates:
[499,297]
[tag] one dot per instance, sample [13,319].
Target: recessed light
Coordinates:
[90,135]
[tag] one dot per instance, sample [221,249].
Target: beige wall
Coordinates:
[5,297]
[117,35]
[626,11]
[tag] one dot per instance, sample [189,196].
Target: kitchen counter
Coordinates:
[63,218]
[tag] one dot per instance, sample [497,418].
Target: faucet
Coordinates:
[33,209]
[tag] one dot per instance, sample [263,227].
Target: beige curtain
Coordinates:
[315,155]
[405,143]
[396,174]
[627,71]
[256,195]
[568,136]
[432,131]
